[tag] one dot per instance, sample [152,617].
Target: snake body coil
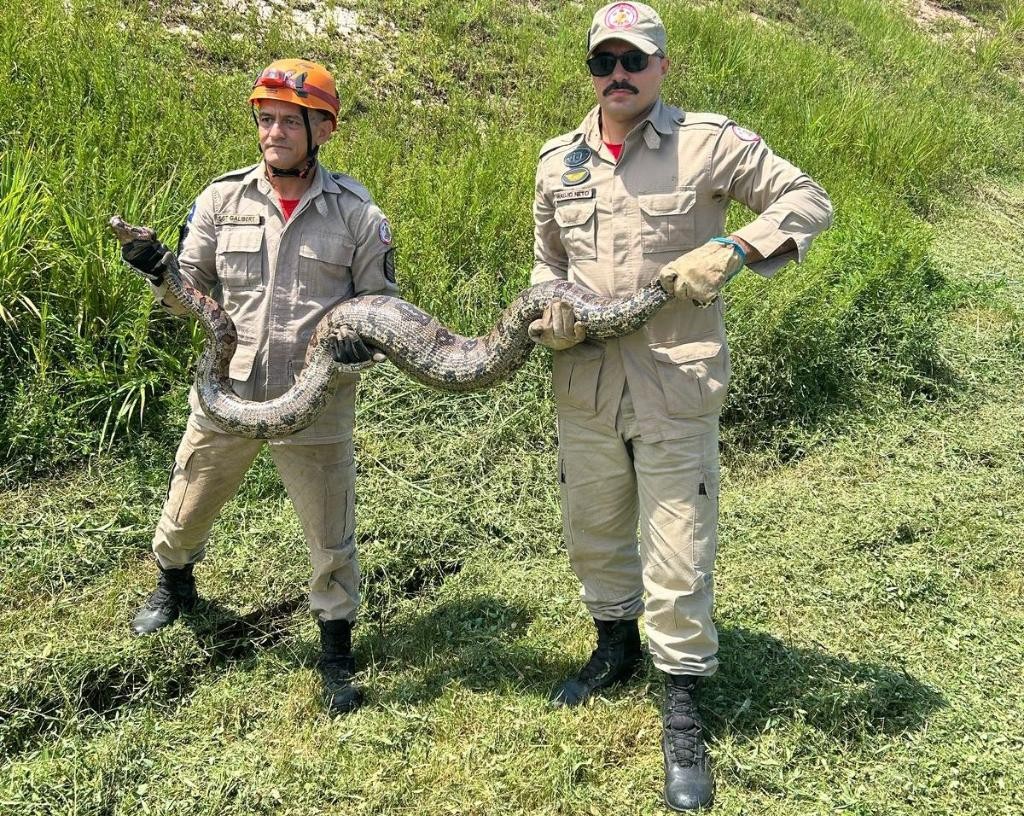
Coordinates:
[413,340]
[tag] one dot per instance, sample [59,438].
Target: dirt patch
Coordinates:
[929,14]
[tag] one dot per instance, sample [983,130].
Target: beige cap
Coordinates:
[635,23]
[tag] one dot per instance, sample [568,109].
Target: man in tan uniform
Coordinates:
[640,190]
[278,244]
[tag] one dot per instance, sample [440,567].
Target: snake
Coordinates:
[414,341]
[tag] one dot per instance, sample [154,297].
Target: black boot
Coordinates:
[337,665]
[175,593]
[688,782]
[616,658]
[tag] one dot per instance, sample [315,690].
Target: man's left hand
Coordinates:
[701,273]
[348,349]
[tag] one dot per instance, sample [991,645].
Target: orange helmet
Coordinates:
[300,82]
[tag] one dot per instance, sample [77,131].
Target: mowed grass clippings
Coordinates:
[870,557]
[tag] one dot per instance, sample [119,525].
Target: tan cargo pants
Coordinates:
[611,482]
[320,480]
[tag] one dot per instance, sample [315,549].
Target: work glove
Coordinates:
[348,349]
[701,273]
[148,258]
[557,328]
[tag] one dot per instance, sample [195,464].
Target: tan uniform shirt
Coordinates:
[611,226]
[277,277]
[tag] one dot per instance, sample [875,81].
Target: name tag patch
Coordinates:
[237,219]
[572,195]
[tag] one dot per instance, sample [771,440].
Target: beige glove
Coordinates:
[558,328]
[701,273]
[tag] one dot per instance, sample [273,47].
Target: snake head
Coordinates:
[126,232]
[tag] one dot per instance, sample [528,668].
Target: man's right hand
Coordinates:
[558,328]
[148,258]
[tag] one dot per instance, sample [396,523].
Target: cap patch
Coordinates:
[745,135]
[621,16]
[384,231]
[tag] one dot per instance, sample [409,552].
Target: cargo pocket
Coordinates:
[693,376]
[668,221]
[240,257]
[577,225]
[575,376]
[705,522]
[178,482]
[325,266]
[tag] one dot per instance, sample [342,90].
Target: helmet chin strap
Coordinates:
[311,151]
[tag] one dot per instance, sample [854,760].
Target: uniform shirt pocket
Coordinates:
[240,258]
[577,226]
[694,376]
[668,220]
[575,376]
[325,266]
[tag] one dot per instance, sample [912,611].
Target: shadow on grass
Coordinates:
[227,637]
[478,644]
[93,688]
[762,679]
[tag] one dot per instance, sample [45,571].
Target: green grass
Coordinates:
[871,551]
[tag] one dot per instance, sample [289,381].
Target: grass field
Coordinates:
[870,573]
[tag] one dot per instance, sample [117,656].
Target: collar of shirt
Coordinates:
[258,176]
[660,121]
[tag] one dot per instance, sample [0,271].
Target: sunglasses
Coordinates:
[601,65]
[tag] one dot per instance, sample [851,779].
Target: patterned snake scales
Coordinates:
[413,340]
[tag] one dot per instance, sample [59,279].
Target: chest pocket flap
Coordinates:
[676,203]
[575,213]
[241,239]
[326,249]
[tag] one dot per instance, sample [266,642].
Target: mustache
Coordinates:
[620,86]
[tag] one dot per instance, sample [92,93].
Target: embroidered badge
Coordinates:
[191,214]
[570,178]
[620,16]
[577,157]
[237,219]
[745,135]
[384,231]
[572,195]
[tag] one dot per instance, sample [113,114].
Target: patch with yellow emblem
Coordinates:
[570,178]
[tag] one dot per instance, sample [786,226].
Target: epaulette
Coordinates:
[242,171]
[715,120]
[564,140]
[351,185]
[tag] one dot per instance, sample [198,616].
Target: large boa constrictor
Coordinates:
[413,340]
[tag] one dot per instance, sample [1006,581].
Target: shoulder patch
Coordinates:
[241,171]
[745,135]
[564,140]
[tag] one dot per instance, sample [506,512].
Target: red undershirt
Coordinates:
[289,205]
[616,150]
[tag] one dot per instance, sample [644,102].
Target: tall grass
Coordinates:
[107,111]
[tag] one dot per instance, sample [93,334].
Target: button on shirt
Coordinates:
[611,226]
[277,277]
